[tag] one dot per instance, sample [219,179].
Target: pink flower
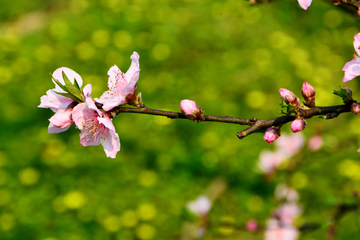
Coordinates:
[298,125]
[315,143]
[120,84]
[352,68]
[289,97]
[304,3]
[62,106]
[271,134]
[200,206]
[95,125]
[308,91]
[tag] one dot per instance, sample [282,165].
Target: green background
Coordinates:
[229,57]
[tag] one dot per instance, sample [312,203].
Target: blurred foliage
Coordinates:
[229,57]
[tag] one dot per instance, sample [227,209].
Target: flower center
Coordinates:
[119,84]
[94,130]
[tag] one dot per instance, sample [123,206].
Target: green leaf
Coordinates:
[69,95]
[76,84]
[343,93]
[66,80]
[58,83]
[75,92]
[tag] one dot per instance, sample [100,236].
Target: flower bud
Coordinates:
[298,125]
[349,92]
[289,97]
[191,110]
[308,91]
[355,108]
[271,134]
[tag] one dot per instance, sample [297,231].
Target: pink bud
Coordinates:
[355,108]
[191,110]
[298,125]
[308,91]
[252,225]
[271,134]
[189,107]
[289,97]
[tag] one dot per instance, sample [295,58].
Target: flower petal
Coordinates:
[304,3]
[357,43]
[134,67]
[111,144]
[352,70]
[54,101]
[107,123]
[53,129]
[62,119]
[80,112]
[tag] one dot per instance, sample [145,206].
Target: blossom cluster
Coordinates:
[73,105]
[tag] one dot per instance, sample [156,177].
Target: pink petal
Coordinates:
[53,129]
[80,112]
[62,119]
[130,87]
[54,101]
[134,67]
[352,70]
[111,144]
[304,3]
[117,80]
[110,101]
[357,43]
[87,90]
[107,123]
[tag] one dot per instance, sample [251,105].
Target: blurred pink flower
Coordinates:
[290,145]
[252,225]
[95,125]
[280,226]
[352,68]
[287,212]
[315,142]
[282,191]
[62,106]
[269,161]
[200,206]
[276,232]
[120,84]
[304,3]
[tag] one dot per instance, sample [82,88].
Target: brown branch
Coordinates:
[260,125]
[255,124]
